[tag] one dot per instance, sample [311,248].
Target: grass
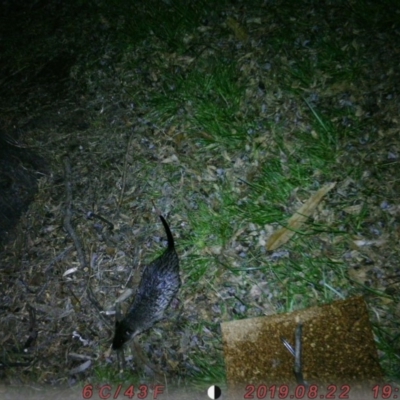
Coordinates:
[245,171]
[205,98]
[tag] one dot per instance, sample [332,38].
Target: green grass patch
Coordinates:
[208,98]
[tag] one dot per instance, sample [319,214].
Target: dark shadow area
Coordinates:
[20,169]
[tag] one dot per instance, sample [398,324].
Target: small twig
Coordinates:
[298,367]
[68,214]
[4,364]
[157,210]
[124,172]
[79,248]
[97,305]
[32,332]
[288,346]
[296,352]
[105,234]
[91,215]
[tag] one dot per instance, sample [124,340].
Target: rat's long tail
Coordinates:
[171,243]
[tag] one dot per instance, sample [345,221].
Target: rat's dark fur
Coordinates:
[159,284]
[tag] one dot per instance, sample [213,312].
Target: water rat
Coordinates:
[160,282]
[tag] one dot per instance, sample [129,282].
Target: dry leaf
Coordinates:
[238,30]
[70,271]
[283,235]
[170,160]
[81,368]
[353,210]
[364,242]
